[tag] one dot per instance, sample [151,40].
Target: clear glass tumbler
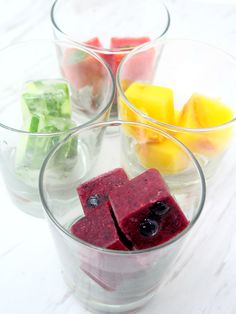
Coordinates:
[103,280]
[194,98]
[26,134]
[110,28]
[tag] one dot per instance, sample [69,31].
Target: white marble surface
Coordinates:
[203,280]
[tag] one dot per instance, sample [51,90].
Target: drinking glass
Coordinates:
[103,280]
[194,71]
[26,139]
[110,28]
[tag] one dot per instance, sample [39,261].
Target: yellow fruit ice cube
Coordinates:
[154,101]
[125,84]
[177,117]
[204,112]
[167,156]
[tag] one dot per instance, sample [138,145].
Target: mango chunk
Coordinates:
[177,116]
[154,101]
[167,156]
[204,112]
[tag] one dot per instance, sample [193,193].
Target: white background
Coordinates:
[204,278]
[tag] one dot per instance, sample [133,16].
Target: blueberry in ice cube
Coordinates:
[148,227]
[159,208]
[94,200]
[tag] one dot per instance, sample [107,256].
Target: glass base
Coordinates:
[117,310]
[96,307]
[27,205]
[22,183]
[114,111]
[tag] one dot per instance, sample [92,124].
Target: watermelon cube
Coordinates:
[128,42]
[94,42]
[83,70]
[137,69]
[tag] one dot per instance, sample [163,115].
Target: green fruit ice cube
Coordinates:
[46,109]
[47,97]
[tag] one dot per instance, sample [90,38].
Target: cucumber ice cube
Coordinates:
[48,97]
[46,109]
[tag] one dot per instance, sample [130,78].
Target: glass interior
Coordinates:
[81,90]
[91,85]
[92,272]
[128,24]
[190,71]
[149,18]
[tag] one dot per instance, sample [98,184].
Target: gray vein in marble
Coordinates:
[229,12]
[227,205]
[24,29]
[10,250]
[220,268]
[221,289]
[52,308]
[15,30]
[64,298]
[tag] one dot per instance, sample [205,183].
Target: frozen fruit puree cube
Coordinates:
[205,112]
[156,102]
[149,218]
[98,228]
[167,156]
[94,193]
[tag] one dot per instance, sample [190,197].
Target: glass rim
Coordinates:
[103,49]
[170,127]
[112,90]
[114,123]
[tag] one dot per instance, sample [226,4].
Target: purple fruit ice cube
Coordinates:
[98,228]
[94,193]
[146,212]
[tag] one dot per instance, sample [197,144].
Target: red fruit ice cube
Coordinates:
[95,42]
[146,212]
[81,70]
[128,42]
[98,228]
[115,62]
[94,193]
